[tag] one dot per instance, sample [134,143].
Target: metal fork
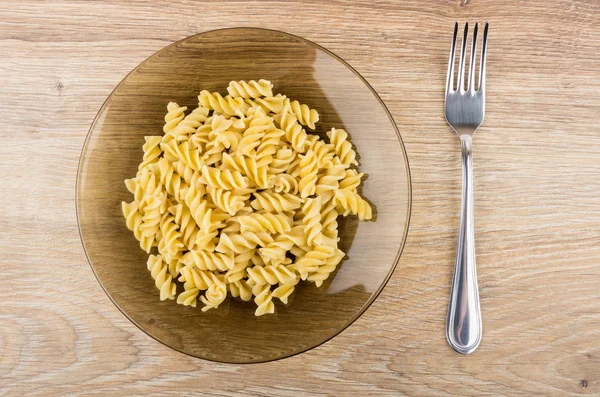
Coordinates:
[465,109]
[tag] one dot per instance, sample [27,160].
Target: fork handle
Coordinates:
[463,327]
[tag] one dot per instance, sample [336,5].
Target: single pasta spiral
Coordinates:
[243,242]
[256,131]
[187,226]
[250,89]
[226,200]
[227,105]
[170,243]
[294,132]
[343,148]
[186,127]
[214,296]
[223,179]
[272,275]
[305,115]
[350,202]
[175,114]
[308,174]
[162,279]
[133,220]
[275,202]
[351,179]
[263,299]
[273,104]
[285,183]
[188,297]
[322,273]
[207,260]
[260,222]
[152,151]
[312,221]
[312,260]
[257,175]
[281,161]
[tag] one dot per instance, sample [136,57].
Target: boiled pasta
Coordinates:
[236,198]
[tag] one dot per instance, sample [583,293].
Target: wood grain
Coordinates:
[537,184]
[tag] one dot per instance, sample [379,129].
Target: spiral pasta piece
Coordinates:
[329,216]
[162,279]
[241,289]
[187,226]
[214,296]
[294,132]
[275,202]
[272,275]
[255,132]
[343,148]
[223,130]
[193,197]
[188,125]
[175,114]
[152,214]
[322,273]
[257,175]
[188,297]
[324,151]
[351,179]
[263,299]
[275,252]
[250,89]
[281,161]
[213,152]
[133,220]
[305,115]
[261,222]
[241,263]
[167,176]
[206,260]
[223,179]
[194,278]
[243,242]
[227,105]
[285,183]
[272,104]
[308,174]
[312,260]
[283,292]
[170,243]
[312,221]
[350,202]
[152,151]
[330,180]
[226,200]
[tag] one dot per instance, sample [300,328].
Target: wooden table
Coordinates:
[537,188]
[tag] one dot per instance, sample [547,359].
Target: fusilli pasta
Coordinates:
[237,199]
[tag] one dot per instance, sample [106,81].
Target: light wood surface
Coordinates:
[537,195]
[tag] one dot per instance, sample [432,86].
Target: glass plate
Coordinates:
[301,70]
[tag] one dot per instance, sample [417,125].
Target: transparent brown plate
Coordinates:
[301,70]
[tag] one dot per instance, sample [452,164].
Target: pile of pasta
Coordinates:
[239,199]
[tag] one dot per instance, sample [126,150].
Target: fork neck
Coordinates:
[466,144]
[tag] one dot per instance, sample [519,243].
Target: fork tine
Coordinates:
[482,61]
[450,76]
[471,83]
[463,56]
